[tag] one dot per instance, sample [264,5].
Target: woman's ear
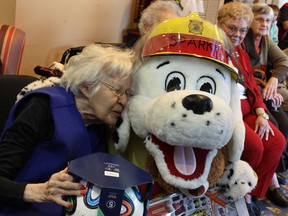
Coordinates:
[86,90]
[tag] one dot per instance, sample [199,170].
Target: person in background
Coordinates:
[53,125]
[157,12]
[273,32]
[269,62]
[264,143]
[282,24]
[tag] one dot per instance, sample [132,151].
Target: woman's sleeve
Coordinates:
[250,81]
[279,61]
[33,122]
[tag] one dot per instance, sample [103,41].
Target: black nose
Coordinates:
[198,103]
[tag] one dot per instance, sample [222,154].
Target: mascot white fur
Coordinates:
[185,104]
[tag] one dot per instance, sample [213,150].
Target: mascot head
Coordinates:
[185,102]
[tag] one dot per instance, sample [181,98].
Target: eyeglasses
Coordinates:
[117,91]
[262,20]
[233,29]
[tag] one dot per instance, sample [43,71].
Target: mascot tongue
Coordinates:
[181,161]
[184,159]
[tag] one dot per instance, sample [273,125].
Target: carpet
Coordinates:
[268,208]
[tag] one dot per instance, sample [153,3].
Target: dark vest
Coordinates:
[72,139]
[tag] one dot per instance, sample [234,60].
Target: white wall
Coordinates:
[53,26]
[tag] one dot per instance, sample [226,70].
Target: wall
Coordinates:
[53,26]
[276,2]
[7,11]
[210,8]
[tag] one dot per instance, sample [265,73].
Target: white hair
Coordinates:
[262,8]
[95,63]
[152,14]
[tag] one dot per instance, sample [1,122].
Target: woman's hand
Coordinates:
[277,101]
[60,184]
[270,90]
[262,127]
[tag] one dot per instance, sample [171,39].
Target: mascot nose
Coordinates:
[197,103]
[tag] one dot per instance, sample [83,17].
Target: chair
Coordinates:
[12,41]
[10,86]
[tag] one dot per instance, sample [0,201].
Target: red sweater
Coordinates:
[253,93]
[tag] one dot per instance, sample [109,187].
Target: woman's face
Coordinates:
[236,29]
[109,101]
[261,24]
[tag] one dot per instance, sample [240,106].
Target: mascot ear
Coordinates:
[122,131]
[236,144]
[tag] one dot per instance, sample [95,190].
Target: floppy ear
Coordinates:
[236,144]
[122,131]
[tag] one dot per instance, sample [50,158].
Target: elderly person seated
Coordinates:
[53,125]
[269,62]
[264,143]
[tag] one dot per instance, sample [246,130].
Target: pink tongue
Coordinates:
[184,159]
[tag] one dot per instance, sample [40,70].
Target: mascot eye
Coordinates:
[206,84]
[175,81]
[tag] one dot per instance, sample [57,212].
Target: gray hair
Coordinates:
[262,8]
[95,63]
[152,14]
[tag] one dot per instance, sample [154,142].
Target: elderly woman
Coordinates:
[264,143]
[263,51]
[157,12]
[53,125]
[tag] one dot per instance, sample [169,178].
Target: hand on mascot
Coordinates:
[60,184]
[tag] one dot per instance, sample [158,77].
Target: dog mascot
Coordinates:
[185,104]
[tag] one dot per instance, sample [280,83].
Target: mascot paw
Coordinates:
[237,180]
